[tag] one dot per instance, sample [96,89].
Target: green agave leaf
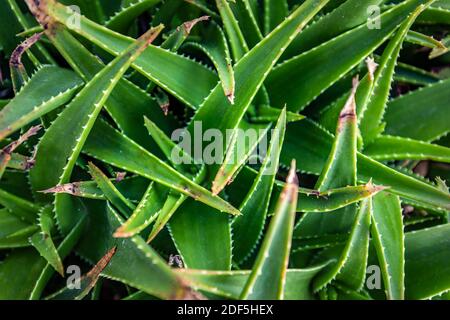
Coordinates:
[168,147]
[215,46]
[10,224]
[43,242]
[145,213]
[150,272]
[176,39]
[350,266]
[103,143]
[247,21]
[427,121]
[205,7]
[18,273]
[22,208]
[86,283]
[424,40]
[304,244]
[260,60]
[49,88]
[202,236]
[435,15]
[173,202]
[127,104]
[343,293]
[301,76]
[348,15]
[388,238]
[229,284]
[110,191]
[238,153]
[64,248]
[427,262]
[166,11]
[122,19]
[439,51]
[373,113]
[266,114]
[248,227]
[174,199]
[77,121]
[172,72]
[398,148]
[339,171]
[20,239]
[313,149]
[237,41]
[268,277]
[274,13]
[410,74]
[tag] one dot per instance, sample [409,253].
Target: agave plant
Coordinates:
[348,199]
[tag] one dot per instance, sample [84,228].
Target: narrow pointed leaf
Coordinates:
[427,262]
[215,46]
[339,171]
[388,237]
[398,148]
[274,13]
[268,277]
[248,227]
[145,213]
[110,191]
[38,97]
[42,241]
[350,266]
[429,118]
[373,113]
[87,282]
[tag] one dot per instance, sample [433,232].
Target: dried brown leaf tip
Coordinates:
[39,8]
[371,67]
[102,264]
[348,113]
[120,176]
[69,188]
[230,97]
[188,25]
[290,190]
[9,149]
[16,57]
[374,189]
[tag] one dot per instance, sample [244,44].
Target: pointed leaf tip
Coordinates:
[348,113]
[292,178]
[371,67]
[374,189]
[188,25]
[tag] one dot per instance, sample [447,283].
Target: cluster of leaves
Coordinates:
[88,103]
